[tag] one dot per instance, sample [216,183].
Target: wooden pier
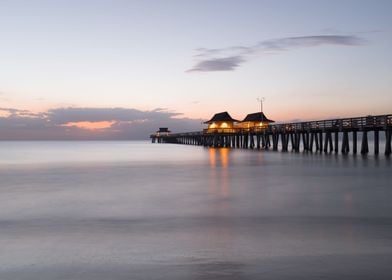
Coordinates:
[325,136]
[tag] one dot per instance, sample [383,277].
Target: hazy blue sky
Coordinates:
[310,59]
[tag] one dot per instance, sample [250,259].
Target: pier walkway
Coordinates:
[320,136]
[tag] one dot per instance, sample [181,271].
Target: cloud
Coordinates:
[18,112]
[310,41]
[72,123]
[218,64]
[228,59]
[72,114]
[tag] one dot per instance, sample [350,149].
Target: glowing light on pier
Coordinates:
[224,125]
[213,125]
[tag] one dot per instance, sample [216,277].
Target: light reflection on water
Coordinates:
[219,162]
[124,210]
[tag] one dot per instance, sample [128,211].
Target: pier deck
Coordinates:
[321,136]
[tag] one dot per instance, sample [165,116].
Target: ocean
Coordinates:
[135,210]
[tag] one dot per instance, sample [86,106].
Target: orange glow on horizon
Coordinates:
[90,125]
[4,114]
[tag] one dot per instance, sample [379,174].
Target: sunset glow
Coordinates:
[90,125]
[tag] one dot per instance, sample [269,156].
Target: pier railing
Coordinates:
[360,123]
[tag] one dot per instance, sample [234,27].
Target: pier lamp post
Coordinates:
[261,100]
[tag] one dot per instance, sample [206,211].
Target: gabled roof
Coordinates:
[257,117]
[163,130]
[221,117]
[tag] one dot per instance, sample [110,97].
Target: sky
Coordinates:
[111,69]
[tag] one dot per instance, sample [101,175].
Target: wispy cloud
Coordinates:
[74,122]
[12,112]
[228,59]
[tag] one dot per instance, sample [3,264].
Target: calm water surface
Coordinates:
[135,210]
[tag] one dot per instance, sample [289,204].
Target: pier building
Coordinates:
[255,121]
[221,123]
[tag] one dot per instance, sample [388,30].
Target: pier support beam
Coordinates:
[326,143]
[275,139]
[321,141]
[266,141]
[317,141]
[355,142]
[330,141]
[310,147]
[305,139]
[336,142]
[284,142]
[364,145]
[376,142]
[345,143]
[297,137]
[388,134]
[252,141]
[328,146]
[292,141]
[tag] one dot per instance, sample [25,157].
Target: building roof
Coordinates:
[163,129]
[257,117]
[221,117]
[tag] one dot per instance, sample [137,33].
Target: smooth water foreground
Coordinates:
[135,210]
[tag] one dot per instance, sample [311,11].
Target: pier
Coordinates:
[323,136]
